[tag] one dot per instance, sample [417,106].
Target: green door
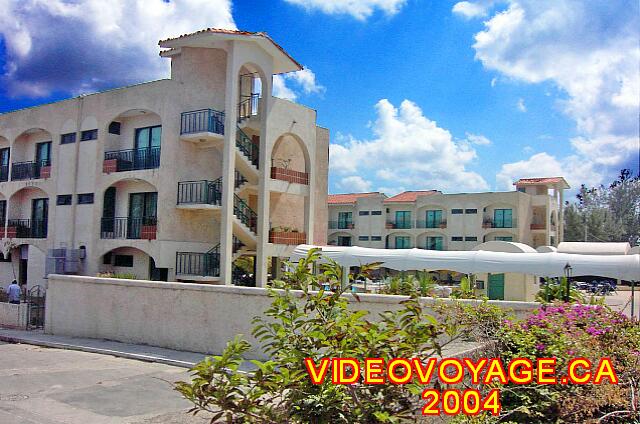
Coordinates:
[495,290]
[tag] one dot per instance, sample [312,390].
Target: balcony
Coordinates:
[287,237]
[129,228]
[199,264]
[432,224]
[290,176]
[201,192]
[341,225]
[490,223]
[131,160]
[21,171]
[27,228]
[245,214]
[399,225]
[202,126]
[537,225]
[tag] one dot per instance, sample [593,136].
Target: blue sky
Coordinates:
[418,94]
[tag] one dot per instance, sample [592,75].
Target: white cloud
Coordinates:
[494,81]
[304,80]
[359,9]
[521,106]
[469,10]
[590,51]
[478,139]
[87,45]
[407,150]
[354,183]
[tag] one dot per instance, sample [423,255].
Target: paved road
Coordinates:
[621,301]
[52,386]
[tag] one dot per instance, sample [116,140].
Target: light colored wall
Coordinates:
[13,316]
[321,178]
[193,317]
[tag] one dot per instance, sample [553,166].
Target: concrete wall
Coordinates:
[192,317]
[13,316]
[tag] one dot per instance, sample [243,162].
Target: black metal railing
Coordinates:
[27,170]
[245,214]
[200,192]
[135,159]
[4,173]
[201,264]
[247,147]
[128,228]
[203,120]
[431,223]
[248,106]
[28,228]
[341,225]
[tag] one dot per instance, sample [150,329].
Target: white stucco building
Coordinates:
[172,179]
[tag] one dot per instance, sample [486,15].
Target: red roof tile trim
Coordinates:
[336,199]
[410,196]
[235,32]
[543,180]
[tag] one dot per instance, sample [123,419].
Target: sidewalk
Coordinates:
[123,350]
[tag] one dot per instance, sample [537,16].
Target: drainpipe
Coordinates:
[74,190]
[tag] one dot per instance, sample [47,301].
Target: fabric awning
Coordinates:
[623,267]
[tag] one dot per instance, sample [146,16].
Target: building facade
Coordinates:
[173,179]
[437,221]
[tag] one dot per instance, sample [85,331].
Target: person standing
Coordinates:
[14,292]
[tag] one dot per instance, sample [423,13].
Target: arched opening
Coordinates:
[28,214]
[132,141]
[341,239]
[431,216]
[24,263]
[250,84]
[31,155]
[501,235]
[132,263]
[400,240]
[432,240]
[499,215]
[4,159]
[290,160]
[129,210]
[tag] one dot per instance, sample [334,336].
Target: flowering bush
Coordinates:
[566,331]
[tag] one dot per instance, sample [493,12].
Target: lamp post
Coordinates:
[567,274]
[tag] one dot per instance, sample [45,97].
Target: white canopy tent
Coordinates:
[623,267]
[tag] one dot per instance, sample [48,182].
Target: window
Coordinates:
[456,238]
[456,211]
[43,154]
[89,135]
[376,238]
[434,243]
[403,219]
[124,261]
[503,218]
[363,213]
[4,164]
[107,259]
[376,212]
[114,128]
[5,258]
[471,239]
[3,212]
[85,198]
[63,199]
[345,220]
[471,211]
[504,238]
[403,242]
[434,219]
[344,241]
[148,137]
[68,138]
[522,189]
[363,238]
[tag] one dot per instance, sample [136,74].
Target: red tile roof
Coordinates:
[410,196]
[542,180]
[337,199]
[234,32]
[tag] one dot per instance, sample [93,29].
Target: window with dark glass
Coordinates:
[43,154]
[376,238]
[403,219]
[85,198]
[456,238]
[5,258]
[68,138]
[434,243]
[363,238]
[63,199]
[456,211]
[504,238]
[471,239]
[363,213]
[142,212]
[114,128]
[89,135]
[345,220]
[107,259]
[376,212]
[471,211]
[434,218]
[124,261]
[4,164]
[3,212]
[503,218]
[403,242]
[344,241]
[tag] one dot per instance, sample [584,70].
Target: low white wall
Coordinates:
[182,316]
[13,316]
